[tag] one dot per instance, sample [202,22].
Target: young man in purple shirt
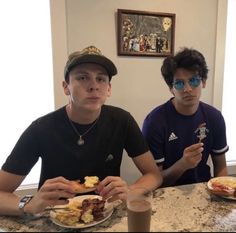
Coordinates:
[183,132]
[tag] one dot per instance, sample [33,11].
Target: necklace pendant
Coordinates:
[80,142]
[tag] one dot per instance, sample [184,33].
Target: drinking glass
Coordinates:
[139,209]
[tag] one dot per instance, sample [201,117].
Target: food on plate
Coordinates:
[87,216]
[89,185]
[90,181]
[89,210]
[70,217]
[96,205]
[225,186]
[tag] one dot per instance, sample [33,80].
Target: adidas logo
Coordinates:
[172,137]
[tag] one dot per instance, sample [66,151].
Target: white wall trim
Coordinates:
[59,47]
[27,189]
[219,64]
[220,53]
[231,166]
[27,186]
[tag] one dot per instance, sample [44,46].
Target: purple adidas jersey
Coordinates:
[168,133]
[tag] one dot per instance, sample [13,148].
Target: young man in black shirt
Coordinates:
[83,138]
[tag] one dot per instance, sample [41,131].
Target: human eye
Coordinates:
[195,81]
[82,78]
[178,84]
[102,79]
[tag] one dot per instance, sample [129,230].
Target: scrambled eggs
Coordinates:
[90,181]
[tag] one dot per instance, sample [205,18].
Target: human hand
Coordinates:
[113,188]
[192,155]
[53,192]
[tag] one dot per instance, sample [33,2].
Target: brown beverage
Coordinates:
[139,216]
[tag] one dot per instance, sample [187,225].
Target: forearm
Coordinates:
[9,204]
[222,172]
[151,181]
[219,165]
[173,173]
[151,175]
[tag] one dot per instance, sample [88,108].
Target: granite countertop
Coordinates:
[179,208]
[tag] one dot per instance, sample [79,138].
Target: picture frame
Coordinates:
[145,33]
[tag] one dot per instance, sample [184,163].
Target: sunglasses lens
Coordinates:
[195,81]
[179,85]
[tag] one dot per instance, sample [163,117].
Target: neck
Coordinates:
[185,110]
[82,116]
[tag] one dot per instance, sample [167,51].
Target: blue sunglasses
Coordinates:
[193,82]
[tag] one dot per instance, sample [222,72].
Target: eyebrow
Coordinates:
[85,72]
[188,78]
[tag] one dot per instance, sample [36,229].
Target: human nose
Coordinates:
[187,87]
[93,85]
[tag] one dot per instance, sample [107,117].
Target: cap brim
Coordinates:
[100,60]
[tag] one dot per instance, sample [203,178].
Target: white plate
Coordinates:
[223,180]
[107,213]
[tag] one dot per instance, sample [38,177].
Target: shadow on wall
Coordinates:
[129,172]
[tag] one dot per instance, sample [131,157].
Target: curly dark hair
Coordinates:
[189,59]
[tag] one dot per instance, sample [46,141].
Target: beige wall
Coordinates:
[138,87]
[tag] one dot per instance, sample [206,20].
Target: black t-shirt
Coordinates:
[52,138]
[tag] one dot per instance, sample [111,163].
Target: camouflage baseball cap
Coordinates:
[90,54]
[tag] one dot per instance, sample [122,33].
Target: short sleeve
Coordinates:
[154,136]
[24,154]
[219,135]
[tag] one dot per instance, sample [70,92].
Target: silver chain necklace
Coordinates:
[80,141]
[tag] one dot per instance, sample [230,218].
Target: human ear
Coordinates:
[171,91]
[109,91]
[66,88]
[203,83]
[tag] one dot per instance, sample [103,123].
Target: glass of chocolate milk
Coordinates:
[139,209]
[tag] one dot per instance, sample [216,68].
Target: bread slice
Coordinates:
[89,185]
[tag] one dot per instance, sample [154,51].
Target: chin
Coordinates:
[93,107]
[190,103]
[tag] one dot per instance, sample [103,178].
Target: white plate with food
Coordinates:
[223,186]
[81,212]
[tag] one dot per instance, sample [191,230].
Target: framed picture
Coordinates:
[144,33]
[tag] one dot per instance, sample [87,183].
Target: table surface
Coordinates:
[179,208]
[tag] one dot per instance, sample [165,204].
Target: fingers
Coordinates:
[193,155]
[198,159]
[110,182]
[198,147]
[113,188]
[54,191]
[58,179]
[47,187]
[194,150]
[55,195]
[120,196]
[116,192]
[59,183]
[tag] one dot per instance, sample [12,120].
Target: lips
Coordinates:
[188,97]
[93,98]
